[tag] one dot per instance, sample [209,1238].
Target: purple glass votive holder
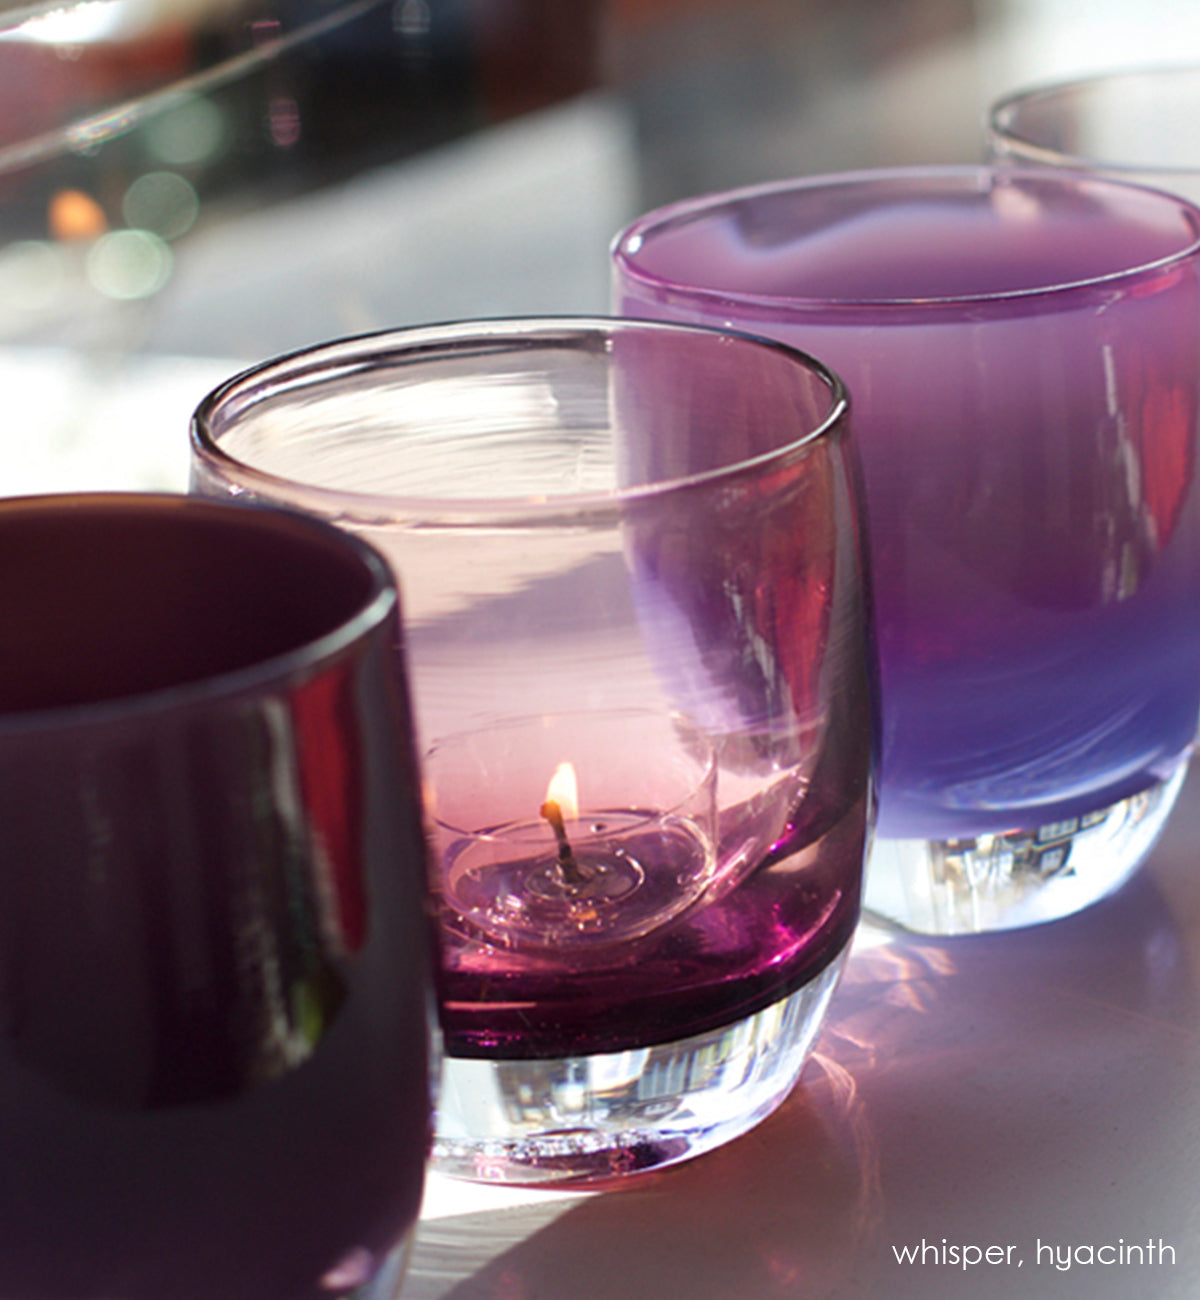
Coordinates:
[633,550]
[1020,349]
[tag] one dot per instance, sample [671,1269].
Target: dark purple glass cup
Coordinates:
[214,994]
[1021,355]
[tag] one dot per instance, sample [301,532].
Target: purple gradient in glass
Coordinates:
[643,557]
[1021,353]
[719,963]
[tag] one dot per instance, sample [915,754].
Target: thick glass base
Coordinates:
[1019,878]
[592,1118]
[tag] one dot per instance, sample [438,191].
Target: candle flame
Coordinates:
[563,790]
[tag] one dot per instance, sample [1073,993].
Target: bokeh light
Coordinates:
[93,20]
[72,214]
[192,132]
[162,202]
[129,264]
[283,121]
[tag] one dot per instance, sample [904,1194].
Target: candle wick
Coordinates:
[572,872]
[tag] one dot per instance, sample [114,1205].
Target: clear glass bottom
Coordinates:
[1018,878]
[592,1118]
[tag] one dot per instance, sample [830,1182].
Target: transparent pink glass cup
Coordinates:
[634,614]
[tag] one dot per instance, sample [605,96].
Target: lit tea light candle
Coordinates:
[578,873]
[562,799]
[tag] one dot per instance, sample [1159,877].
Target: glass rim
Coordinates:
[422,343]
[981,176]
[301,662]
[100,124]
[1000,128]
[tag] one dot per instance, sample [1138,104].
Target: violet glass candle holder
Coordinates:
[634,616]
[1135,124]
[214,982]
[1021,349]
